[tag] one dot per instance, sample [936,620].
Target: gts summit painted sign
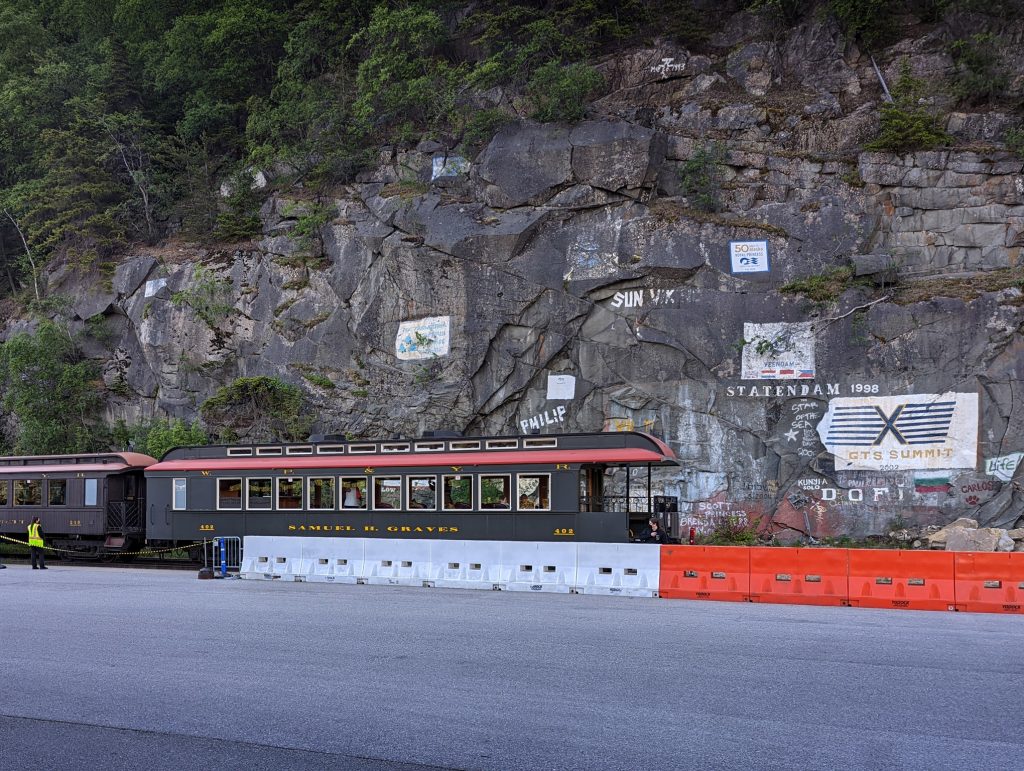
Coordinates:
[893,433]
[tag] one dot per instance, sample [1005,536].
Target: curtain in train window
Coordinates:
[321,493]
[458,491]
[534,491]
[180,490]
[422,493]
[387,492]
[229,493]
[495,490]
[57,492]
[92,488]
[260,496]
[289,493]
[353,492]
[3,493]
[28,492]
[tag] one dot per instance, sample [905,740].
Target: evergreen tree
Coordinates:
[52,392]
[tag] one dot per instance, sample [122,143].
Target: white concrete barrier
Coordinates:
[256,551]
[269,557]
[333,560]
[403,563]
[466,564]
[538,567]
[632,570]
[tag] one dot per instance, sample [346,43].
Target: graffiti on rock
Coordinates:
[778,351]
[1003,467]
[889,433]
[550,417]
[423,338]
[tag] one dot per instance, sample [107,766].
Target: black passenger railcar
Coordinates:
[525,488]
[86,503]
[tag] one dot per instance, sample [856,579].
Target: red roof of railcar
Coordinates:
[20,465]
[403,460]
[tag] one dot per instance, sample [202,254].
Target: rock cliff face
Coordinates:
[560,280]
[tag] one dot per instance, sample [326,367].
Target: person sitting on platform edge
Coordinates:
[654,533]
[35,544]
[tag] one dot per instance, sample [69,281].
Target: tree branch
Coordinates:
[831,320]
[28,253]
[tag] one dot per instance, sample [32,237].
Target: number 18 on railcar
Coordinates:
[519,488]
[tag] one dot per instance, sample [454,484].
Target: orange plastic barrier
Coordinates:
[989,582]
[902,579]
[705,573]
[795,576]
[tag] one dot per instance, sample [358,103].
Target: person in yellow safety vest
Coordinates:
[35,544]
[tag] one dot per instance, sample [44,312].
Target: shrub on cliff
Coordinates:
[256,409]
[700,177]
[979,75]
[560,93]
[155,437]
[1014,139]
[906,123]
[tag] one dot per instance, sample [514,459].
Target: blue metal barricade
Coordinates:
[223,554]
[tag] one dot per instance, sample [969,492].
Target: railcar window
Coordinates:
[91,491]
[268,451]
[362,448]
[458,491]
[534,491]
[502,444]
[3,493]
[260,495]
[395,447]
[289,493]
[180,494]
[233,451]
[495,490]
[28,492]
[422,493]
[353,492]
[330,449]
[229,493]
[535,443]
[300,450]
[460,446]
[387,492]
[429,446]
[321,493]
[57,492]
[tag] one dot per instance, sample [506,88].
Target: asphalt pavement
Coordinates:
[130,669]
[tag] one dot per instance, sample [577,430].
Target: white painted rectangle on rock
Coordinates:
[561,386]
[894,433]
[749,257]
[778,351]
[452,166]
[423,338]
[155,285]
[1004,466]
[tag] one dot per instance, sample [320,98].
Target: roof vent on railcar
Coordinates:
[442,433]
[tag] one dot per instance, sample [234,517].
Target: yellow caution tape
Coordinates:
[143,553]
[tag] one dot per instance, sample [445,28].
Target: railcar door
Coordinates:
[592,488]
